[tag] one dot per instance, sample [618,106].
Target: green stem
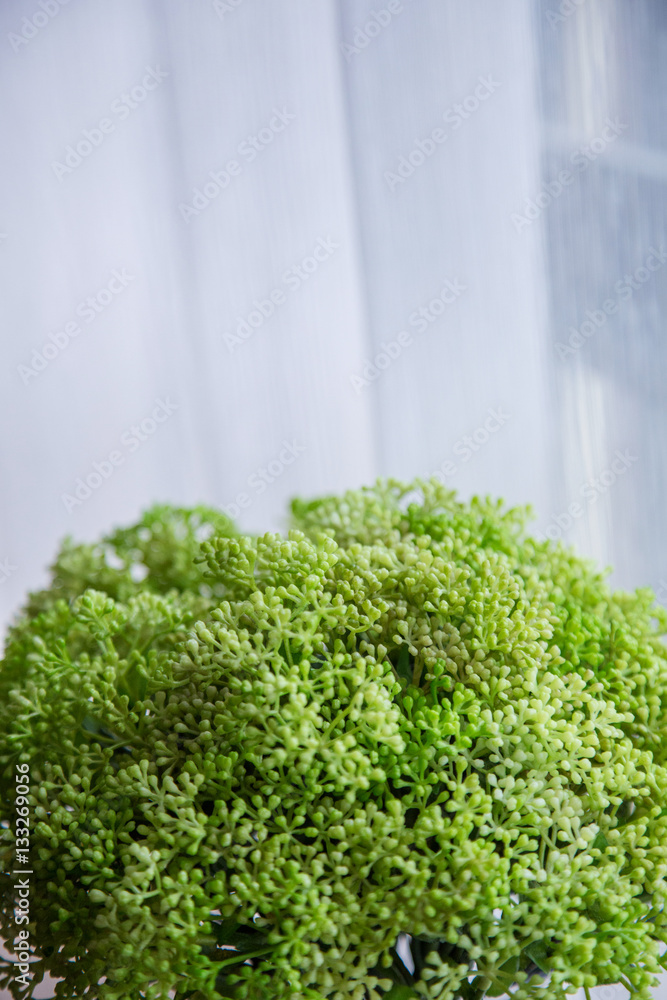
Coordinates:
[241,956]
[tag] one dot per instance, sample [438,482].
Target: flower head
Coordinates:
[257,762]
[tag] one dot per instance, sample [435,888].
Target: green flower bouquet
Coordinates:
[406,751]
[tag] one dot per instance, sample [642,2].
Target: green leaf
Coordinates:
[625,812]
[474,990]
[95,728]
[600,841]
[419,950]
[511,966]
[403,667]
[240,936]
[398,992]
[537,953]
[135,683]
[499,986]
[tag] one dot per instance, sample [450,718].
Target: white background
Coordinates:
[361,99]
[556,80]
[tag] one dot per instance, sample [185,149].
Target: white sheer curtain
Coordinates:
[254,248]
[603,79]
[117,120]
[222,77]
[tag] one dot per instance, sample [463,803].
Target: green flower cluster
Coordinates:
[258,763]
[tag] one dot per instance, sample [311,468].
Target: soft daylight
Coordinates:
[333,558]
